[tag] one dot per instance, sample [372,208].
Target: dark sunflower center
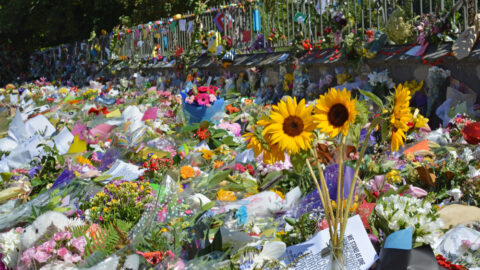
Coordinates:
[293,126]
[337,115]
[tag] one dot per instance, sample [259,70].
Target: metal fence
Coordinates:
[253,20]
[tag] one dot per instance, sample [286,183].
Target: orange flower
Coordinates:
[230,109]
[217,164]
[248,101]
[186,172]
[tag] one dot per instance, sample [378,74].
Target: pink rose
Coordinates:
[41,256]
[62,235]
[72,258]
[79,243]
[62,251]
[48,246]
[27,256]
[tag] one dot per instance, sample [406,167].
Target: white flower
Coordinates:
[456,193]
[9,242]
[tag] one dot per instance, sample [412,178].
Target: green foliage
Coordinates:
[303,229]
[52,205]
[51,166]
[112,237]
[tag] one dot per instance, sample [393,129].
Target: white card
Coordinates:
[124,170]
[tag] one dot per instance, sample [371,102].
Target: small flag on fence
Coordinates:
[219,21]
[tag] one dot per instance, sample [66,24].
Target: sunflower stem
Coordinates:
[328,202]
[374,123]
[322,199]
[340,183]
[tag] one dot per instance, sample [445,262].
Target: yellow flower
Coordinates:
[163,230]
[343,77]
[83,161]
[400,117]
[186,172]
[253,143]
[63,90]
[101,194]
[290,126]
[226,195]
[335,111]
[279,193]
[394,176]
[207,154]
[414,86]
[419,120]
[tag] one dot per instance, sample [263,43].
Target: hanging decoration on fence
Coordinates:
[219,21]
[256,20]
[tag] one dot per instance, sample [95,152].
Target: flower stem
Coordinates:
[328,201]
[340,185]
[374,123]
[322,199]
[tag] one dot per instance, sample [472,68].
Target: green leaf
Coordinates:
[385,131]
[101,178]
[291,221]
[218,177]
[372,97]
[208,206]
[219,133]
[298,162]
[61,209]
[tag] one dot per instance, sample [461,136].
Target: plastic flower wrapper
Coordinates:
[9,243]
[397,212]
[436,82]
[380,82]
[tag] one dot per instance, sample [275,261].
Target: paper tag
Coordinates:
[209,81]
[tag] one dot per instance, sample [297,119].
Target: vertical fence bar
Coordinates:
[421,7]
[370,13]
[285,21]
[363,19]
[465,15]
[431,8]
[355,18]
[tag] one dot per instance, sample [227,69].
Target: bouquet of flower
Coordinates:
[119,200]
[397,212]
[61,247]
[202,104]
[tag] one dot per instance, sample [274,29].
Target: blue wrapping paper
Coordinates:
[197,113]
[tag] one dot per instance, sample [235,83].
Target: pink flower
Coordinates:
[79,243]
[62,235]
[41,256]
[27,256]
[379,184]
[68,257]
[415,192]
[213,98]
[48,246]
[62,252]
[169,113]
[203,99]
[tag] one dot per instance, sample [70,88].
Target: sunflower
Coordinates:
[290,126]
[271,152]
[335,111]
[400,116]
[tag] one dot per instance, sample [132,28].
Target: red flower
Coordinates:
[202,89]
[327,30]
[471,133]
[250,169]
[202,133]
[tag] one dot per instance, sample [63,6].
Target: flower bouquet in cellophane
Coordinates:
[202,104]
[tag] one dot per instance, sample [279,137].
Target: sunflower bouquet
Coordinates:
[296,128]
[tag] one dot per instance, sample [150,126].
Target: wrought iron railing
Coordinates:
[251,20]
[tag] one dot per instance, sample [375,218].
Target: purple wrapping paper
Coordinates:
[311,202]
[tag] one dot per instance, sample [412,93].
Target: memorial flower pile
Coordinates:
[135,173]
